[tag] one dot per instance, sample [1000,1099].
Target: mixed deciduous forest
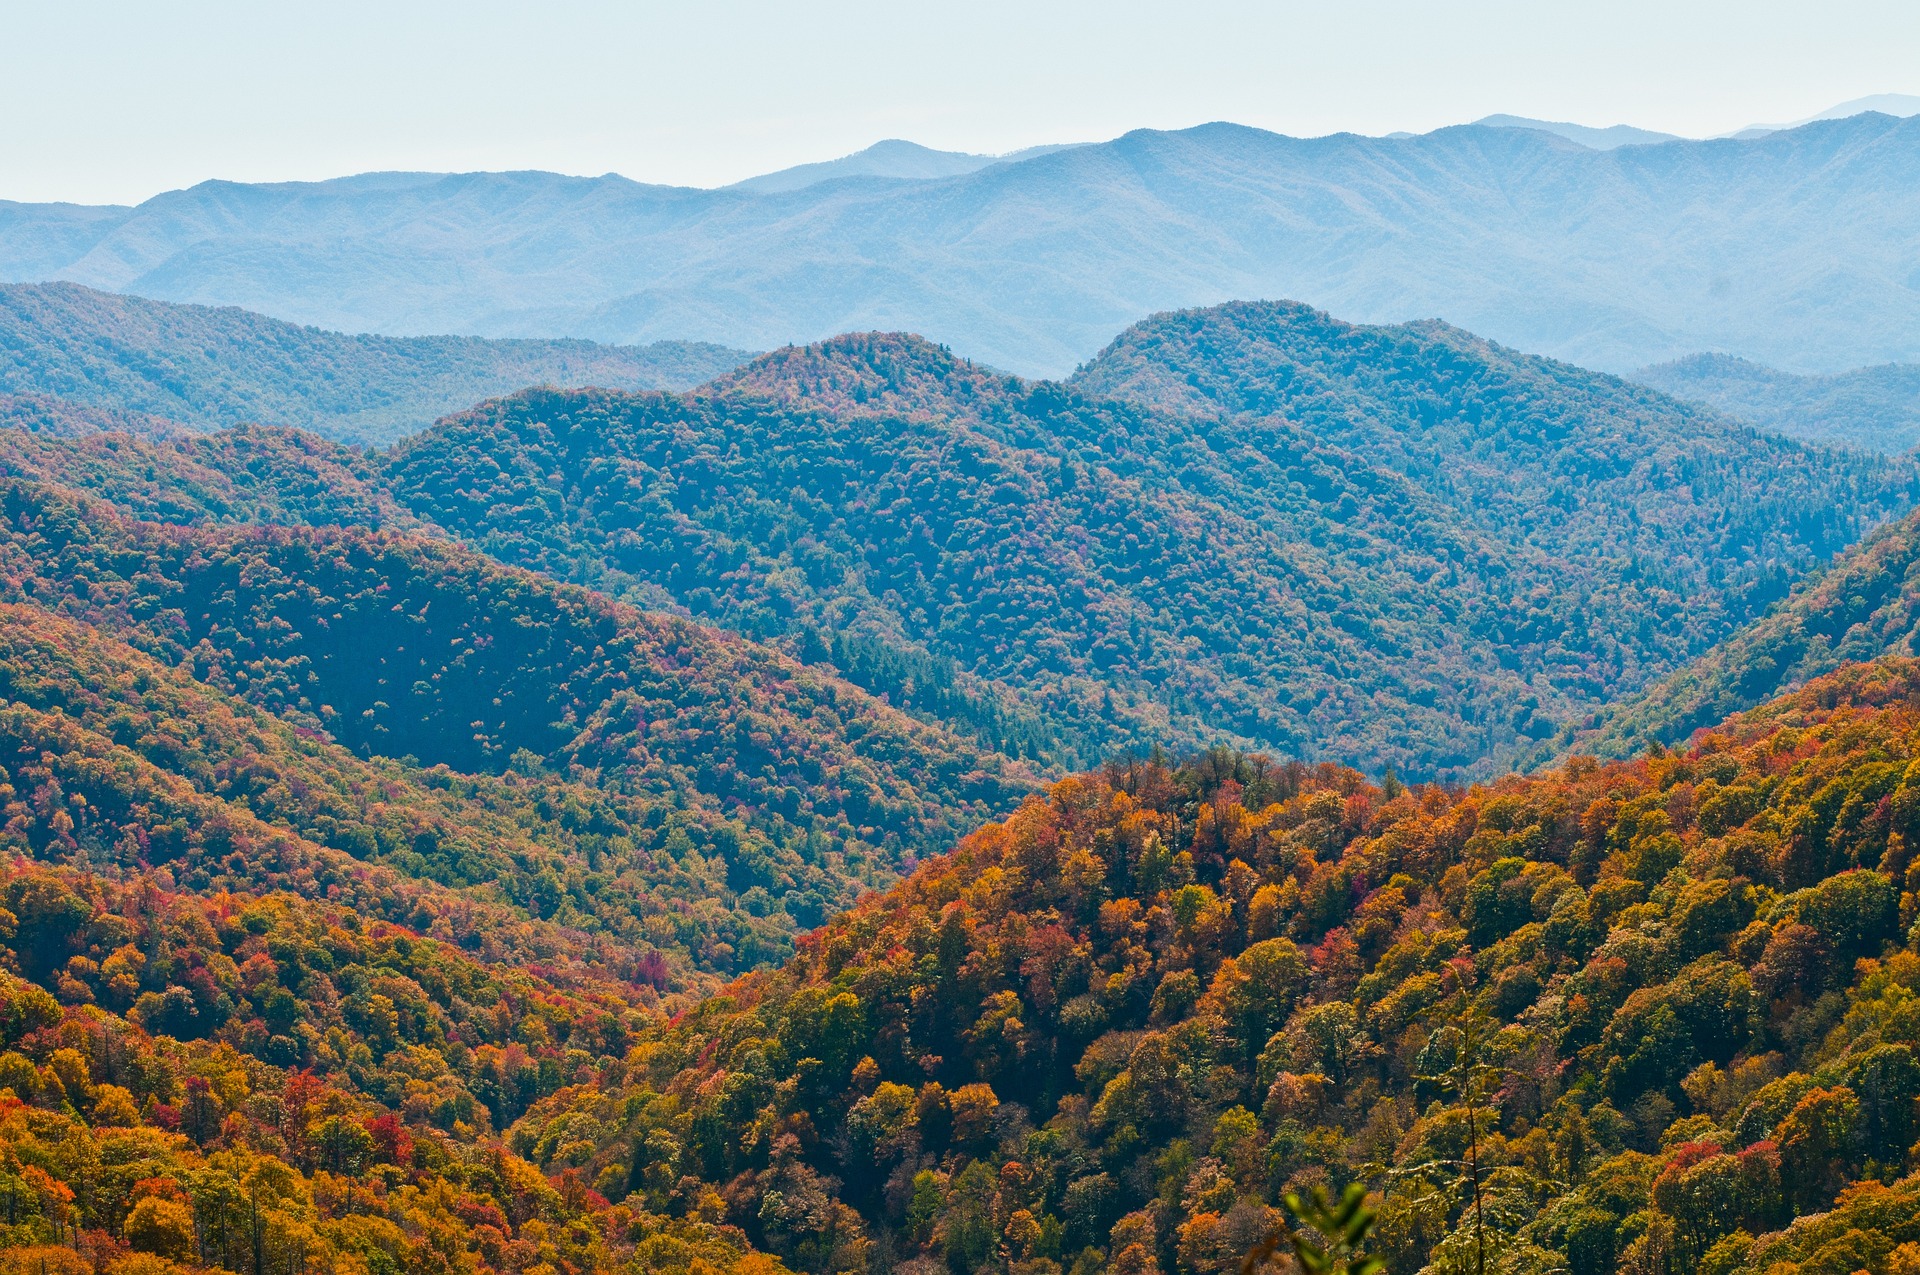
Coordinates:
[1061,577]
[1615,1016]
[876,816]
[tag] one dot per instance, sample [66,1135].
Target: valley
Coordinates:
[851,809]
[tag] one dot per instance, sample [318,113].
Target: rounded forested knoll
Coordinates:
[1531,450]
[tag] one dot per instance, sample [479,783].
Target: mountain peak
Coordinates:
[893,158]
[1898,105]
[1599,139]
[871,371]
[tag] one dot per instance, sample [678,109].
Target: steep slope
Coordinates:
[1866,605]
[1600,257]
[227,366]
[1670,998]
[1133,578]
[197,774]
[1877,407]
[1533,452]
[397,646]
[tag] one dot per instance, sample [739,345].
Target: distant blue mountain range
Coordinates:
[1599,139]
[1799,249]
[892,159]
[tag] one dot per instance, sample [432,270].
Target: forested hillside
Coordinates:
[1637,485]
[159,770]
[1193,568]
[267,1081]
[1867,604]
[1265,549]
[692,771]
[371,906]
[1877,407]
[247,474]
[1647,1015]
[64,418]
[1650,1015]
[1124,611]
[202,368]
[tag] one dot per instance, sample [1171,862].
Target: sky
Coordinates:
[109,101]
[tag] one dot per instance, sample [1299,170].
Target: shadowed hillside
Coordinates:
[1866,605]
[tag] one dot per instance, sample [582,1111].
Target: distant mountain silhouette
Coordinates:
[1599,139]
[1899,105]
[76,361]
[1877,407]
[892,159]
[1599,257]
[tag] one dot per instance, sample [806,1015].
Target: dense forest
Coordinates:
[639,832]
[1865,605]
[1645,1016]
[1060,577]
[1628,482]
[1119,610]
[197,368]
[1139,573]
[1876,407]
[263,1082]
[1649,1016]
[248,474]
[686,769]
[64,418]
[160,771]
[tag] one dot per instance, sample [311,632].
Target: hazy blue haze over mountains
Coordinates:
[1877,407]
[76,361]
[1800,249]
[891,158]
[1599,139]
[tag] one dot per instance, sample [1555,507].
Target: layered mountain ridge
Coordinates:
[1877,407]
[384,891]
[1063,574]
[153,367]
[1599,257]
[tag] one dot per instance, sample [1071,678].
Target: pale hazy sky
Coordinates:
[114,101]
